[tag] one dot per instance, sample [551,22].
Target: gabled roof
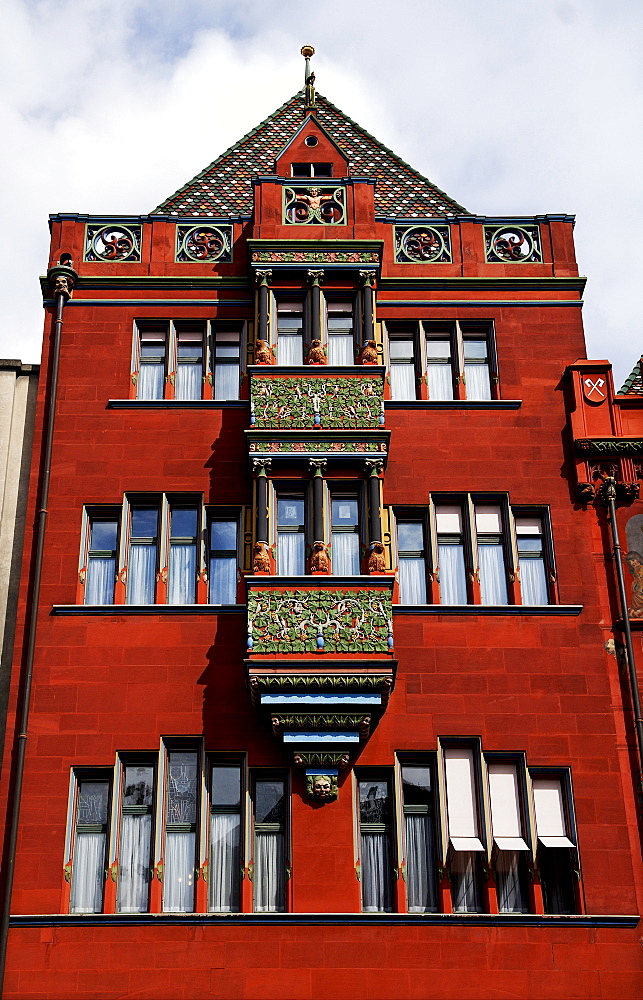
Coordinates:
[225,188]
[633,384]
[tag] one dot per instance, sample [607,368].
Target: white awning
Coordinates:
[556,842]
[466,844]
[550,813]
[510,844]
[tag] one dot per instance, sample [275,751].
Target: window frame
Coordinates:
[270,774]
[140,324]
[295,489]
[347,297]
[148,501]
[415,515]
[543,513]
[222,759]
[428,759]
[78,775]
[406,330]
[390,829]
[351,490]
[563,776]
[210,379]
[133,759]
[214,515]
[290,296]
[480,858]
[526,857]
[178,326]
[94,513]
[185,745]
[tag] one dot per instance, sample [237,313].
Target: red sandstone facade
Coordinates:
[441,669]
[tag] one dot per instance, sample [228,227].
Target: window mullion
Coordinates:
[458,362]
[171,351]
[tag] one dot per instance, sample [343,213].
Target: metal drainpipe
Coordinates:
[62,278]
[608,493]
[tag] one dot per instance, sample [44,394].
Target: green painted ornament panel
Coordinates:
[299,621]
[338,402]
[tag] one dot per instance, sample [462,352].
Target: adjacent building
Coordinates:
[330,686]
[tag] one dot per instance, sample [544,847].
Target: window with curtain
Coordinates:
[142,555]
[420,838]
[402,367]
[180,831]
[101,560]
[451,561]
[556,852]
[188,377]
[291,539]
[341,333]
[290,333]
[182,565]
[345,538]
[223,561]
[152,354]
[225,838]
[411,561]
[375,817]
[227,362]
[510,850]
[269,881]
[464,827]
[135,846]
[491,554]
[90,843]
[476,367]
[439,367]
[531,560]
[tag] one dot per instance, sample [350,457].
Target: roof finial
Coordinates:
[309,102]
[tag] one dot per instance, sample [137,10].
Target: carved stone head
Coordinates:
[322,787]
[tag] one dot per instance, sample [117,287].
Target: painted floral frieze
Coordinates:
[308,621]
[332,401]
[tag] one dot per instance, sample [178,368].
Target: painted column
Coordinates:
[263,280]
[315,278]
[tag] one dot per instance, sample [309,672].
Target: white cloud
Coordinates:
[511,108]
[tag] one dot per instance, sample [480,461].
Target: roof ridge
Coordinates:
[391,152]
[248,135]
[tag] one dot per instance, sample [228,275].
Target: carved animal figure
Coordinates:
[316,353]
[376,560]
[264,354]
[368,353]
[319,559]
[260,559]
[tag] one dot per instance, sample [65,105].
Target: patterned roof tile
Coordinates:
[225,185]
[634,384]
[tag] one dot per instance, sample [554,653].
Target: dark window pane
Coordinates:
[226,786]
[184,522]
[144,521]
[92,802]
[416,785]
[373,801]
[270,805]
[181,787]
[104,535]
[138,785]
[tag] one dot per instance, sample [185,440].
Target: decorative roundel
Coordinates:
[112,243]
[204,243]
[423,244]
[517,244]
[311,140]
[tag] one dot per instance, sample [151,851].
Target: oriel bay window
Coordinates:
[225,838]
[375,820]
[135,842]
[556,851]
[341,332]
[181,797]
[269,837]
[510,849]
[90,844]
[465,848]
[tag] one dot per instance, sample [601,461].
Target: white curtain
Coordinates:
[225,862]
[345,561]
[477,381]
[341,350]
[377,891]
[226,381]
[290,553]
[88,873]
[99,585]
[178,876]
[182,574]
[188,381]
[150,381]
[420,864]
[510,898]
[493,579]
[453,580]
[464,884]
[412,581]
[533,581]
[141,574]
[223,580]
[403,381]
[290,350]
[440,382]
[134,863]
[270,872]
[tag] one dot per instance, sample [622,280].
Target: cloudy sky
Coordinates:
[511,106]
